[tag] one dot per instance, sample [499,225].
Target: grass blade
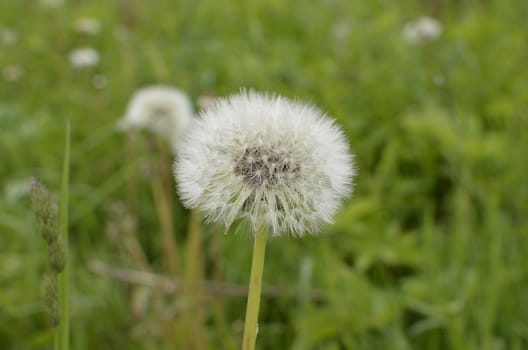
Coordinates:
[64,275]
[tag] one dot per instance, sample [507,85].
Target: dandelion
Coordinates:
[164,110]
[277,162]
[87,25]
[422,30]
[84,57]
[283,165]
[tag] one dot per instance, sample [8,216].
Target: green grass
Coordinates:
[430,253]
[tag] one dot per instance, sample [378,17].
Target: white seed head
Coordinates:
[164,110]
[84,57]
[279,163]
[422,30]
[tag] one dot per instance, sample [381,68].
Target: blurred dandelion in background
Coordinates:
[164,110]
[84,57]
[279,163]
[422,30]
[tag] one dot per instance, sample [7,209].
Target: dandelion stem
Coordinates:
[56,339]
[64,275]
[255,286]
[161,191]
[193,284]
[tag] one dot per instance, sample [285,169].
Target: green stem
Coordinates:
[56,339]
[255,286]
[161,189]
[64,275]
[193,291]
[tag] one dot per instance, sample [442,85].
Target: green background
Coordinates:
[430,251]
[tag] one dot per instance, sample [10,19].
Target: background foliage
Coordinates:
[430,253]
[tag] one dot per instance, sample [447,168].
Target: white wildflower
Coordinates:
[422,30]
[84,57]
[164,110]
[277,162]
[87,25]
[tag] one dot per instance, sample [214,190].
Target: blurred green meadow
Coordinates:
[429,253]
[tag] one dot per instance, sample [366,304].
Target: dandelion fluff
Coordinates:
[422,30]
[84,57]
[164,110]
[280,163]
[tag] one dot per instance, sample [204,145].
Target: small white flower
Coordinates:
[87,25]
[164,110]
[84,57]
[422,30]
[277,162]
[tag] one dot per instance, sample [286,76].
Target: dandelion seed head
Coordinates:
[84,57]
[164,110]
[422,30]
[276,162]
